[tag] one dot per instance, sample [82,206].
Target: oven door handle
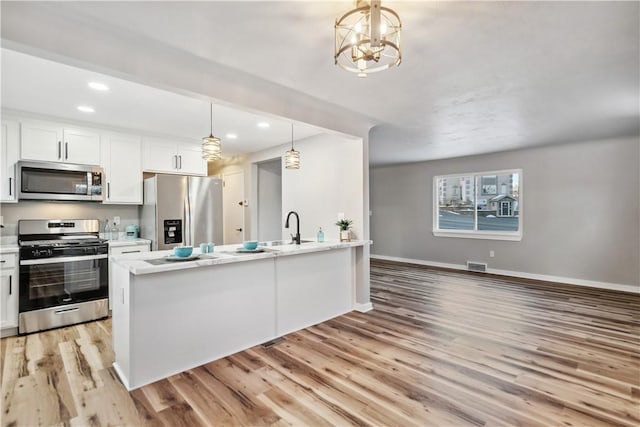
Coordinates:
[62,259]
[66,310]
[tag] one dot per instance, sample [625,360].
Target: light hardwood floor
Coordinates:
[439,349]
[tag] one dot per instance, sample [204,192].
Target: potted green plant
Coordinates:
[345,225]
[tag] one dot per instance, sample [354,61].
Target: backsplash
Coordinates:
[12,212]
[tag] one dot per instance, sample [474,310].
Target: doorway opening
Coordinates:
[269,200]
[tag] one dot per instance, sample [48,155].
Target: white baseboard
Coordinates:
[544,277]
[363,308]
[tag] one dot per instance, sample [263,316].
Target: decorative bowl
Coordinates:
[250,245]
[183,251]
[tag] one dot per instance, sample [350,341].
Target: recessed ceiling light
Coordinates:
[86,109]
[98,86]
[232,136]
[263,125]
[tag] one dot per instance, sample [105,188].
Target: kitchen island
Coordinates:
[169,317]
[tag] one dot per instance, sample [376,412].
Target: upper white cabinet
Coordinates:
[122,163]
[170,157]
[52,142]
[8,159]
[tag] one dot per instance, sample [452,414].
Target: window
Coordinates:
[485,205]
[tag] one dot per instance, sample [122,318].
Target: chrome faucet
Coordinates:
[295,238]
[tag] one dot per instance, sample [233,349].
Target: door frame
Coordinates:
[224,205]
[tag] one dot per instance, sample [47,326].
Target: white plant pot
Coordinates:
[345,236]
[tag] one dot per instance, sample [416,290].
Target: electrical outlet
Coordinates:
[492,254]
[340,215]
[116,220]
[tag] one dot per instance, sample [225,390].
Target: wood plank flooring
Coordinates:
[439,349]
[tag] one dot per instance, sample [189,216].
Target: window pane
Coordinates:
[499,211]
[455,203]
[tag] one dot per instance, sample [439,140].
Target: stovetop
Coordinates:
[61,242]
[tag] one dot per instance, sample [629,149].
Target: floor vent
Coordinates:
[272,342]
[480,267]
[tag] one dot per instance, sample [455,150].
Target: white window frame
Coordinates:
[478,234]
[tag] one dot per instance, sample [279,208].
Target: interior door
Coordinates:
[233,205]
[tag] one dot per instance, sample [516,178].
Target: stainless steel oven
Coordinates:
[64,276]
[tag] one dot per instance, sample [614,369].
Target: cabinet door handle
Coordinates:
[131,252]
[180,158]
[175,162]
[59,149]
[108,190]
[10,186]
[10,285]
[3,261]
[66,150]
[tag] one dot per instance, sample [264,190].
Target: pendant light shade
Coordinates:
[292,157]
[211,145]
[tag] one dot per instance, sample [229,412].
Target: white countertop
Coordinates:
[136,263]
[9,245]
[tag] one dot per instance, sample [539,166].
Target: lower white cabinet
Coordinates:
[122,163]
[122,248]
[9,291]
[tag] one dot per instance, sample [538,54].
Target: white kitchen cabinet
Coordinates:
[122,162]
[54,142]
[169,157]
[8,158]
[133,248]
[121,248]
[190,160]
[8,291]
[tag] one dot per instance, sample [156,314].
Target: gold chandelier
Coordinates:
[368,38]
[211,145]
[292,157]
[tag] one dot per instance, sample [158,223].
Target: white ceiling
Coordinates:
[476,76]
[44,87]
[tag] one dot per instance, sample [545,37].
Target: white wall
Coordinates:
[581,212]
[330,180]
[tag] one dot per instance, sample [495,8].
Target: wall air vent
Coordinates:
[480,267]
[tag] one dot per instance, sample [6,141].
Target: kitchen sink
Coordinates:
[281,242]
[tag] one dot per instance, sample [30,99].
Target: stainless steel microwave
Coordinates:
[59,181]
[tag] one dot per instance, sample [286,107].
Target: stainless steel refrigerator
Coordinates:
[181,210]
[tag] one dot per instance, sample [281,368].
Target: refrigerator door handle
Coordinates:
[188,215]
[186,230]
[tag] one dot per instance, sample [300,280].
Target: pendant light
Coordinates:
[211,145]
[367,38]
[292,157]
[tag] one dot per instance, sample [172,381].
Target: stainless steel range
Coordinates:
[64,276]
